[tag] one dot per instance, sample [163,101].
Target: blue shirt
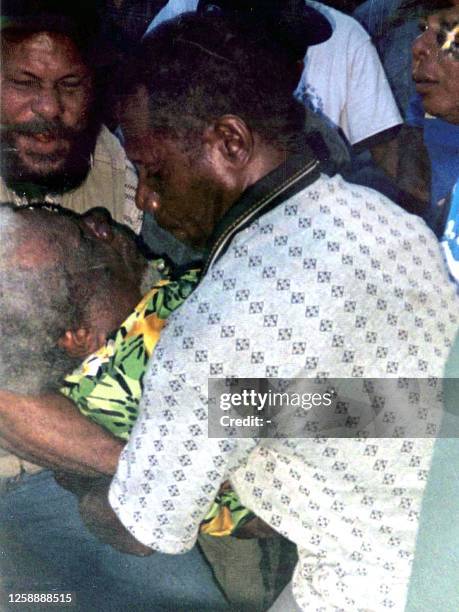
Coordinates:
[393,35]
[450,238]
[442,142]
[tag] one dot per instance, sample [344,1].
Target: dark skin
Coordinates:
[188,193]
[38,432]
[231,159]
[46,83]
[435,71]
[48,429]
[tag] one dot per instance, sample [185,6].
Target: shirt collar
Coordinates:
[294,174]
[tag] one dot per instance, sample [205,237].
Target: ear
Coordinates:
[99,222]
[80,343]
[234,140]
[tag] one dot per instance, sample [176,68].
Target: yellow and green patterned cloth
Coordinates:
[108,385]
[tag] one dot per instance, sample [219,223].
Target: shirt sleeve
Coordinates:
[170,472]
[370,106]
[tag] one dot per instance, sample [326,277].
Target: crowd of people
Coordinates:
[198,190]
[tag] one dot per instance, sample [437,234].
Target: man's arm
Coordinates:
[405,160]
[413,164]
[49,430]
[102,521]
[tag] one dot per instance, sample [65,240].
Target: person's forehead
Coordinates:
[140,140]
[448,17]
[38,238]
[51,50]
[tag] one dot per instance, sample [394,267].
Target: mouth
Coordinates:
[425,87]
[424,84]
[42,143]
[44,137]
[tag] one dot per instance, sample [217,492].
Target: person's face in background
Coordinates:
[46,101]
[436,64]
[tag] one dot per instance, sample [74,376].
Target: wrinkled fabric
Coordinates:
[335,282]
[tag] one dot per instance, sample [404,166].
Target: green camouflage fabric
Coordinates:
[108,385]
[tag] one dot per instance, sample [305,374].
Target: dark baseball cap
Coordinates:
[291,22]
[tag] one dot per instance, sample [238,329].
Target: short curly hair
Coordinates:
[40,301]
[197,68]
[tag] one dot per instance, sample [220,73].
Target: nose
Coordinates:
[99,223]
[144,198]
[47,104]
[424,44]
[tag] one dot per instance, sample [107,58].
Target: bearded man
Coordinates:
[54,146]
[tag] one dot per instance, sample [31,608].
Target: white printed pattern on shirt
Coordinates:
[336,282]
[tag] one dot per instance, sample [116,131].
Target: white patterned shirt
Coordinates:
[336,281]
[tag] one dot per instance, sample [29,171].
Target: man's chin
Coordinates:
[55,167]
[54,174]
[40,172]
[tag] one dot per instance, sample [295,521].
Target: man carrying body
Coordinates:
[306,277]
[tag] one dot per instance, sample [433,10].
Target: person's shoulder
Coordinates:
[109,149]
[344,26]
[386,216]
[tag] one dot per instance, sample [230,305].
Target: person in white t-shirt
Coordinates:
[342,79]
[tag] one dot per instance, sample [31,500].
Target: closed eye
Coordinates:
[25,83]
[71,84]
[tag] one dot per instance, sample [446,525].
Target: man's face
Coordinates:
[112,245]
[184,189]
[118,240]
[46,98]
[436,64]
